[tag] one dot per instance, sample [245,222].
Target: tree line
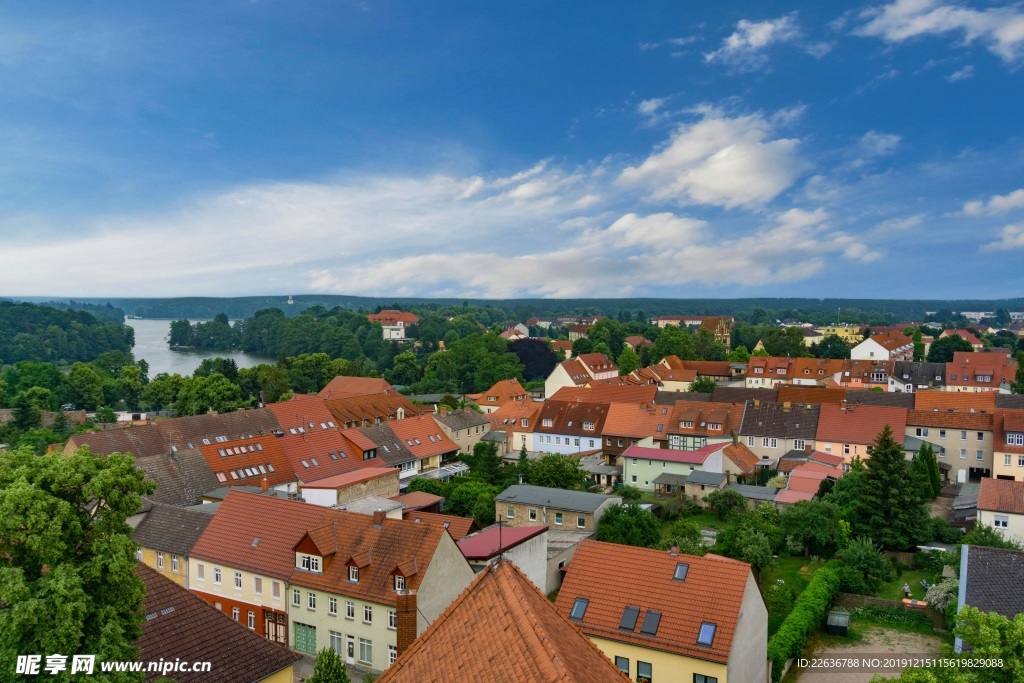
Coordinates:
[29,332]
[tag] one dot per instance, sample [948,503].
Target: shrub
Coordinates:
[725,503]
[943,532]
[677,507]
[808,613]
[892,616]
[943,593]
[864,567]
[934,560]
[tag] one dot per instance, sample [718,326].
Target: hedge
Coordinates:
[808,613]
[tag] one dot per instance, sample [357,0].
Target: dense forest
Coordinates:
[42,333]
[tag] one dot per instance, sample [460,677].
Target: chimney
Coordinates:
[735,437]
[443,410]
[787,406]
[466,409]
[674,550]
[264,485]
[405,607]
[378,518]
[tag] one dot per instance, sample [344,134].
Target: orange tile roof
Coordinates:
[951,420]
[597,362]
[577,371]
[390,317]
[859,424]
[417,499]
[343,386]
[1001,495]
[816,368]
[473,639]
[703,414]
[994,357]
[230,537]
[973,375]
[892,340]
[510,416]
[358,411]
[637,421]
[959,401]
[248,461]
[345,538]
[423,436]
[742,456]
[458,527]
[339,481]
[319,454]
[502,392]
[606,393]
[974,341]
[813,395]
[770,366]
[308,412]
[711,592]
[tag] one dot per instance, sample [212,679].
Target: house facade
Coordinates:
[1008,445]
[522,505]
[771,429]
[394,323]
[1001,506]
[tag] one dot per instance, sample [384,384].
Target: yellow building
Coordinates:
[166,534]
[848,333]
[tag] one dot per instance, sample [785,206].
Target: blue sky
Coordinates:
[512,149]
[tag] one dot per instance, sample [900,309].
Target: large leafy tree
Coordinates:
[787,341]
[558,472]
[707,347]
[889,508]
[832,346]
[672,341]
[628,525]
[942,350]
[814,525]
[67,561]
[864,567]
[328,668]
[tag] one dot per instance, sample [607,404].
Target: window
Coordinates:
[1006,459]
[558,517]
[311,601]
[1015,439]
[392,620]
[921,431]
[1000,521]
[579,608]
[399,583]
[365,651]
[799,444]
[533,515]
[200,571]
[1020,461]
[963,436]
[296,597]
[234,613]
[773,443]
[353,574]
[277,590]
[981,455]
[238,581]
[252,621]
[750,442]
[558,440]
[546,422]
[706,636]
[216,575]
[629,616]
[651,621]
[623,664]
[159,560]
[367,614]
[174,563]
[310,563]
[764,442]
[581,522]
[981,436]
[963,453]
[588,426]
[643,672]
[392,654]
[336,642]
[846,449]
[681,570]
[510,513]
[701,678]
[257,585]
[332,606]
[942,433]
[350,610]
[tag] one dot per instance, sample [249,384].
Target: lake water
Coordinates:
[151,344]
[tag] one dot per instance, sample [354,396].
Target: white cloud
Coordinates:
[721,161]
[996,204]
[651,106]
[1001,29]
[1011,237]
[899,224]
[961,74]
[744,49]
[878,144]
[671,42]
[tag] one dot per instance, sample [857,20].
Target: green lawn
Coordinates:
[796,572]
[893,590]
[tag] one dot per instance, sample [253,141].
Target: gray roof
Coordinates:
[171,529]
[462,419]
[770,418]
[495,436]
[1010,401]
[576,501]
[367,505]
[669,398]
[892,399]
[753,492]
[712,478]
[395,452]
[181,478]
[595,464]
[742,394]
[670,479]
[560,540]
[990,579]
[913,444]
[919,374]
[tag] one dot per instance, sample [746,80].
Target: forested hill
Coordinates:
[104,312]
[520,309]
[30,332]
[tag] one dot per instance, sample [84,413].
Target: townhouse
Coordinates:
[892,345]
[166,535]
[851,334]
[465,427]
[815,371]
[767,372]
[695,424]
[979,372]
[1001,506]
[964,334]
[416,446]
[771,429]
[628,423]
[963,441]
[502,392]
[689,618]
[352,574]
[850,430]
[524,505]
[362,411]
[583,370]
[569,428]
[865,374]
[909,377]
[1008,445]
[251,462]
[344,386]
[516,421]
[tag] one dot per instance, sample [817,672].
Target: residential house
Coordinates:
[642,466]
[850,430]
[689,618]
[503,391]
[990,581]
[718,325]
[203,430]
[140,441]
[569,428]
[542,322]
[1008,445]
[344,386]
[166,535]
[851,334]
[562,348]
[583,370]
[738,461]
[806,394]
[181,477]
[962,441]
[394,323]
[415,445]
[361,411]
[865,374]
[696,485]
[963,402]
[607,393]
[965,334]
[695,424]
[804,481]
[769,372]
[472,640]
[465,427]
[979,372]
[182,627]
[250,462]
[812,336]
[1001,506]
[886,346]
[523,505]
[743,394]
[524,546]
[344,488]
[815,372]
[869,397]
[316,454]
[636,342]
[516,421]
[578,331]
[628,423]
[908,376]
[770,428]
[354,574]
[243,561]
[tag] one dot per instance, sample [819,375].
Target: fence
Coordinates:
[852,600]
[902,556]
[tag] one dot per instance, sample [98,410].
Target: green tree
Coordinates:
[918,345]
[890,508]
[106,415]
[406,369]
[931,467]
[465,496]
[986,536]
[832,346]
[432,486]
[85,386]
[703,385]
[787,341]
[181,334]
[67,560]
[630,494]
[130,385]
[814,526]
[707,347]
[328,668]
[754,548]
[200,395]
[162,391]
[628,361]
[942,350]
[628,524]
[864,568]
[725,503]
[558,472]
[672,341]
[739,355]
[1018,378]
[26,414]
[485,463]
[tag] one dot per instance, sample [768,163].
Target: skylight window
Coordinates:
[651,621]
[305,464]
[629,616]
[681,569]
[315,463]
[270,467]
[579,608]
[707,634]
[259,447]
[334,456]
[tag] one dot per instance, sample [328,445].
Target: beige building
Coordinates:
[522,505]
[1001,506]
[166,535]
[465,427]
[1008,445]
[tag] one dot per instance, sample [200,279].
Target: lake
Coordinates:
[151,344]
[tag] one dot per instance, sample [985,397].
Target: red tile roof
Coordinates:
[892,340]
[792,496]
[343,386]
[502,392]
[705,414]
[1001,495]
[597,362]
[959,401]
[494,540]
[813,395]
[742,456]
[638,421]
[974,341]
[859,424]
[1007,421]
[248,461]
[307,412]
[242,518]
[340,481]
[417,500]
[390,317]
[458,527]
[318,454]
[711,592]
[570,418]
[696,457]
[951,420]
[473,640]
[423,436]
[359,411]
[606,393]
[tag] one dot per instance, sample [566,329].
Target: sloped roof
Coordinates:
[417,499]
[992,580]
[597,362]
[952,420]
[325,451]
[308,412]
[793,496]
[867,397]
[423,436]
[470,641]
[859,424]
[816,368]
[704,414]
[458,527]
[140,441]
[390,316]
[179,626]
[712,591]
[360,475]
[1010,401]
[461,419]
[920,374]
[181,478]
[390,448]
[497,539]
[742,456]
[577,501]
[801,394]
[1007,421]
[960,401]
[606,393]
[171,529]
[1001,495]
[775,420]
[892,340]
[502,392]
[353,411]
[961,333]
[242,518]
[696,457]
[194,431]
[569,418]
[637,421]
[344,386]
[702,477]
[248,461]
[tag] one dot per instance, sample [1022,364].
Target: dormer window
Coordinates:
[588,426]
[547,422]
[310,563]
[399,583]
[688,424]
[353,574]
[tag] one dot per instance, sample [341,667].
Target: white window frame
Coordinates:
[251,622]
[332,606]
[1000,521]
[217,576]
[392,620]
[365,651]
[257,585]
[296,597]
[367,614]
[311,601]
[174,563]
[238,581]
[159,560]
